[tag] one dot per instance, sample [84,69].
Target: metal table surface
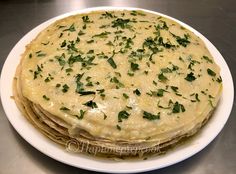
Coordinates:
[216,19]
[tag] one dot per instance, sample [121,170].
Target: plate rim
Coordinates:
[5,98]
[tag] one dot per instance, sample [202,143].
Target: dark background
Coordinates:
[215,19]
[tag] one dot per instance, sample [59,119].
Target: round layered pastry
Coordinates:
[126,83]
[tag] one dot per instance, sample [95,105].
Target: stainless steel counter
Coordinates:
[216,19]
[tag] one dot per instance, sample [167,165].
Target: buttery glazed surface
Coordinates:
[178,80]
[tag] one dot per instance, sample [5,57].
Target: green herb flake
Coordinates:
[160,92]
[137,92]
[190,77]
[134,66]
[41,55]
[112,63]
[125,96]
[122,23]
[207,59]
[46,98]
[150,116]
[102,35]
[91,104]
[63,108]
[109,43]
[86,19]
[116,81]
[61,60]
[30,55]
[47,80]
[80,33]
[118,127]
[182,41]
[162,78]
[58,85]
[174,88]
[63,44]
[71,28]
[108,15]
[135,13]
[210,72]
[196,97]
[86,93]
[178,108]
[69,70]
[81,114]
[219,79]
[90,41]
[79,84]
[123,115]
[65,88]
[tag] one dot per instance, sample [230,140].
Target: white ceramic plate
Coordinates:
[49,148]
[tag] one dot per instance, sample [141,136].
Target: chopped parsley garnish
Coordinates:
[61,60]
[86,92]
[86,19]
[128,43]
[65,88]
[150,116]
[190,77]
[90,41]
[182,41]
[178,108]
[63,44]
[207,59]
[102,35]
[58,85]
[45,97]
[117,82]
[79,84]
[109,43]
[72,59]
[174,88]
[91,104]
[90,52]
[81,33]
[160,92]
[47,80]
[71,46]
[63,108]
[118,127]
[135,13]
[162,78]
[123,115]
[196,97]
[211,103]
[30,55]
[134,66]
[122,23]
[125,96]
[108,15]
[37,72]
[219,79]
[210,72]
[137,92]
[41,54]
[166,70]
[166,45]
[81,114]
[69,70]
[71,28]
[112,62]
[45,43]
